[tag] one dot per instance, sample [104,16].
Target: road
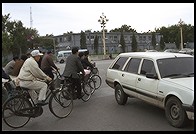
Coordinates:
[102,113]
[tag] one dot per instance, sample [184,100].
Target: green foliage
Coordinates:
[134,43]
[96,44]
[83,40]
[170,33]
[153,40]
[162,44]
[122,42]
[124,28]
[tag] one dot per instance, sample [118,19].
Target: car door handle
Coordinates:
[139,79]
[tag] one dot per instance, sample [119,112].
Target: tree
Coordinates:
[162,43]
[124,28]
[153,40]
[134,43]
[177,41]
[122,42]
[83,40]
[96,44]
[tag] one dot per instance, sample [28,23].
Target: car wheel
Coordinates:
[120,95]
[174,112]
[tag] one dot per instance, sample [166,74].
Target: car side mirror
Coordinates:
[151,75]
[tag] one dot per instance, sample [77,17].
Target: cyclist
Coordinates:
[86,63]
[74,66]
[47,64]
[18,65]
[30,77]
[10,65]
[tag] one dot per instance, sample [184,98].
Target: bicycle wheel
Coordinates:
[61,103]
[95,81]
[86,88]
[13,112]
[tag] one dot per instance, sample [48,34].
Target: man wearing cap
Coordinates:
[30,75]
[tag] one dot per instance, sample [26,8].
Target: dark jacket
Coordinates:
[47,63]
[86,63]
[4,75]
[73,66]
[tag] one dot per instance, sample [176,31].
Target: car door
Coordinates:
[147,87]
[129,76]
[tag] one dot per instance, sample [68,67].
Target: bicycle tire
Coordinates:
[95,81]
[12,109]
[61,103]
[87,89]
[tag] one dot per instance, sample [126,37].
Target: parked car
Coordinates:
[151,50]
[165,80]
[172,50]
[187,51]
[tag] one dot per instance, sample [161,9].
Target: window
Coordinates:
[148,67]
[120,63]
[133,65]
[176,66]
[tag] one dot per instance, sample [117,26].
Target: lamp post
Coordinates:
[103,21]
[180,24]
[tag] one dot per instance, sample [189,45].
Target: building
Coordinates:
[112,39]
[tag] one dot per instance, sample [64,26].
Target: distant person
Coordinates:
[10,65]
[74,66]
[18,65]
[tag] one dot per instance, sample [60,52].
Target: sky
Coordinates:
[59,18]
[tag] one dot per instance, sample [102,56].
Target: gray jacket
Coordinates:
[73,66]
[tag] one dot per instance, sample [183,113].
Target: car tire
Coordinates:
[175,113]
[120,95]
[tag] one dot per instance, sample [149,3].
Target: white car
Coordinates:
[165,80]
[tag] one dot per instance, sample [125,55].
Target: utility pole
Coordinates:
[31,20]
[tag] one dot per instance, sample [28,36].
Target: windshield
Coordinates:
[176,67]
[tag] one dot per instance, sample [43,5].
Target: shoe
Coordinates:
[82,94]
[42,103]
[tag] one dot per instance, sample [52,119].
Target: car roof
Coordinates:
[153,55]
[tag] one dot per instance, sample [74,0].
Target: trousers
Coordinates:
[38,86]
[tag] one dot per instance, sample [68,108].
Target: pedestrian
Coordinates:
[31,77]
[74,66]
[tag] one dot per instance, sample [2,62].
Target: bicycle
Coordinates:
[18,110]
[86,88]
[94,79]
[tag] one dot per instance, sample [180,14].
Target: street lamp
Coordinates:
[180,24]
[103,21]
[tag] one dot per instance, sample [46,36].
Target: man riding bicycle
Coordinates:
[74,66]
[31,77]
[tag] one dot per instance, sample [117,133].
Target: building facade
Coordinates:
[112,41]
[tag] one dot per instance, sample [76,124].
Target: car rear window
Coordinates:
[119,63]
[133,65]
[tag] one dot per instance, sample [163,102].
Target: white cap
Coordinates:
[35,53]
